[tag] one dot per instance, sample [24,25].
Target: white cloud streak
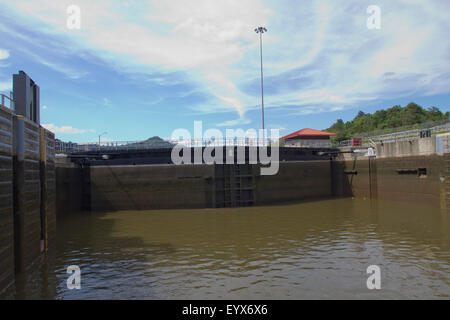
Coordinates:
[343,63]
[5,85]
[66,129]
[233,123]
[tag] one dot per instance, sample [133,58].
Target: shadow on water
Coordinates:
[84,239]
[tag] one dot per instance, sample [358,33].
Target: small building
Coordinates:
[308,138]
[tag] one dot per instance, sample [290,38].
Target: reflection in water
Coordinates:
[309,250]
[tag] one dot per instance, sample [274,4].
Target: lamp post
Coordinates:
[260,31]
[99,138]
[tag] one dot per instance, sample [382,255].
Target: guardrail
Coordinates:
[423,125]
[446,143]
[68,147]
[370,141]
[6,98]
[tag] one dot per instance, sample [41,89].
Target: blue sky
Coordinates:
[137,69]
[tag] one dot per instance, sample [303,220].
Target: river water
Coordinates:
[311,250]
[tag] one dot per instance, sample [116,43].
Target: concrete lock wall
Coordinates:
[48,185]
[295,181]
[108,188]
[199,186]
[416,179]
[355,177]
[27,184]
[69,184]
[417,147]
[149,187]
[27,220]
[6,200]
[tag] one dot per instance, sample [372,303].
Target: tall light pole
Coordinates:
[100,136]
[261,30]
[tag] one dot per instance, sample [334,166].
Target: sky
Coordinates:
[137,69]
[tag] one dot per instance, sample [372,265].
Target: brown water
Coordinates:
[308,250]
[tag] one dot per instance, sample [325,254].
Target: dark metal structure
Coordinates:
[163,155]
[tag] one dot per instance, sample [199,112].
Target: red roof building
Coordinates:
[308,138]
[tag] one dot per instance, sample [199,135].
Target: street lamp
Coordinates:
[261,30]
[100,136]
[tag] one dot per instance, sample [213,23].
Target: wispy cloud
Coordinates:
[69,72]
[233,123]
[106,102]
[318,56]
[5,85]
[4,54]
[198,37]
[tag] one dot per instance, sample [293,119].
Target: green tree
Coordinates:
[393,117]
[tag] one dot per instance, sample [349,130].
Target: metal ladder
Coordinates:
[234,186]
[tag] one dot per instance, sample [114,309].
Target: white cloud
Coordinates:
[5,85]
[65,129]
[196,36]
[4,54]
[106,102]
[214,42]
[232,123]
[68,71]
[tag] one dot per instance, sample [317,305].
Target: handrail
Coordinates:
[11,101]
[70,147]
[398,136]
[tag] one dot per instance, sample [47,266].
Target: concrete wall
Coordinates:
[418,147]
[199,186]
[48,184]
[355,177]
[395,178]
[108,188]
[27,185]
[295,181]
[150,187]
[411,186]
[6,200]
[69,184]
[27,199]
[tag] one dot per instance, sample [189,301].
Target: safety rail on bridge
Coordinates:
[408,135]
[4,98]
[70,147]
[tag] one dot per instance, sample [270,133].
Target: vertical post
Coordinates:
[19,192]
[262,83]
[261,30]
[43,184]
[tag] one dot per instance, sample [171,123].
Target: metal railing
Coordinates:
[371,141]
[423,125]
[6,98]
[69,147]
[446,143]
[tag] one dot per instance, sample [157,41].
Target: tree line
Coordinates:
[393,117]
